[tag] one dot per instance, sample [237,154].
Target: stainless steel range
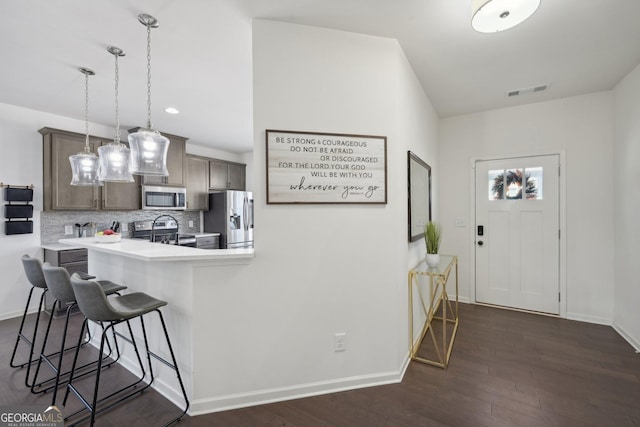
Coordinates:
[162,230]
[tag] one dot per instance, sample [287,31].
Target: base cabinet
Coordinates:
[74,261]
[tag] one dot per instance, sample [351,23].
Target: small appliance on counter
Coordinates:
[163,231]
[231,214]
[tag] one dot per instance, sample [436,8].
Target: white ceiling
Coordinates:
[201,55]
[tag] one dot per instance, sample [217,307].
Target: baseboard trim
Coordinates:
[590,319]
[631,340]
[7,316]
[243,400]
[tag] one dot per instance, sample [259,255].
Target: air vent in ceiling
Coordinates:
[532,89]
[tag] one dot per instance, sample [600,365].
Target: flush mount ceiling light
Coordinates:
[148,147]
[491,16]
[172,110]
[84,165]
[114,157]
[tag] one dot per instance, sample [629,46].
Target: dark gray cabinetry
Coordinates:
[197,183]
[226,175]
[59,194]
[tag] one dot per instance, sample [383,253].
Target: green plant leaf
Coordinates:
[432,236]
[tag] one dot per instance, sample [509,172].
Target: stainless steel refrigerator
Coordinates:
[231,214]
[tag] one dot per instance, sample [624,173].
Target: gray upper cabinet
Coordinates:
[197,183]
[59,194]
[226,175]
[175,163]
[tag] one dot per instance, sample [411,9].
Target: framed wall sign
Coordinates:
[313,167]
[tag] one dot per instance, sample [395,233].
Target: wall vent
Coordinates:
[524,91]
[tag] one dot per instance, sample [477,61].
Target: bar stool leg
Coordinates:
[33,340]
[20,335]
[175,367]
[93,406]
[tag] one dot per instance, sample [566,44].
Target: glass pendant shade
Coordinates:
[148,147]
[148,153]
[490,16]
[84,167]
[114,157]
[114,163]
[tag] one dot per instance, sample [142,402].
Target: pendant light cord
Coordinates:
[149,77]
[116,131]
[86,113]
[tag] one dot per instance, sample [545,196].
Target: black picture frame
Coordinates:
[419,195]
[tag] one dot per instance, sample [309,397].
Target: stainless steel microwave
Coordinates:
[164,198]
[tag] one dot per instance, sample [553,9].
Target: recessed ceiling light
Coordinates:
[172,110]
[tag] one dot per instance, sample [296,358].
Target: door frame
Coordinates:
[562,206]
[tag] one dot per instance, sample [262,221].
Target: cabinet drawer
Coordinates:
[76,267]
[208,242]
[72,255]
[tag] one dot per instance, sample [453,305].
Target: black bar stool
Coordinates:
[95,306]
[33,271]
[59,285]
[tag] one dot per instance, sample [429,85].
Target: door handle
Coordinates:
[480,243]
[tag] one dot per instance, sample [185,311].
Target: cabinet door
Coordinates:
[121,195]
[175,164]
[59,194]
[236,176]
[197,181]
[218,175]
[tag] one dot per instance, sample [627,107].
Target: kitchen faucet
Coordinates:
[152,237]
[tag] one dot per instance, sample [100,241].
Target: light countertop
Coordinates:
[147,251]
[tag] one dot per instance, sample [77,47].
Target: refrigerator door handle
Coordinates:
[245,213]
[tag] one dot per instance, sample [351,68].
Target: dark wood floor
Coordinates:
[507,369]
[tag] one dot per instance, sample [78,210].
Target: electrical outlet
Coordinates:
[340,341]
[459,222]
[124,227]
[190,224]
[68,229]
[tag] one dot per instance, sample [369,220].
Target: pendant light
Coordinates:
[491,16]
[84,165]
[148,147]
[114,157]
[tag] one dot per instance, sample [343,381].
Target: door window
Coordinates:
[515,184]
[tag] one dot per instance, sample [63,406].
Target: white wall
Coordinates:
[322,269]
[627,206]
[581,126]
[21,164]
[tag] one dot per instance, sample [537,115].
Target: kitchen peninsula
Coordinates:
[187,278]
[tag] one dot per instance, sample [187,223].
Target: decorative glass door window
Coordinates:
[515,184]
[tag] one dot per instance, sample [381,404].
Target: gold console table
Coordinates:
[438,307]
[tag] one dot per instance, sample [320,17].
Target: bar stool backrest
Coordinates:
[33,271]
[92,300]
[59,283]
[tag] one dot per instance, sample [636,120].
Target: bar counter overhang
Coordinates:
[189,279]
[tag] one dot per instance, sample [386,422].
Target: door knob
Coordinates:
[480,243]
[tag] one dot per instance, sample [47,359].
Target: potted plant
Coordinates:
[432,236]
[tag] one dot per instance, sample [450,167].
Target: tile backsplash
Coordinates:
[53,222]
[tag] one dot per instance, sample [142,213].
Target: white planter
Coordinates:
[433,260]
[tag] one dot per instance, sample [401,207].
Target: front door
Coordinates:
[517,233]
